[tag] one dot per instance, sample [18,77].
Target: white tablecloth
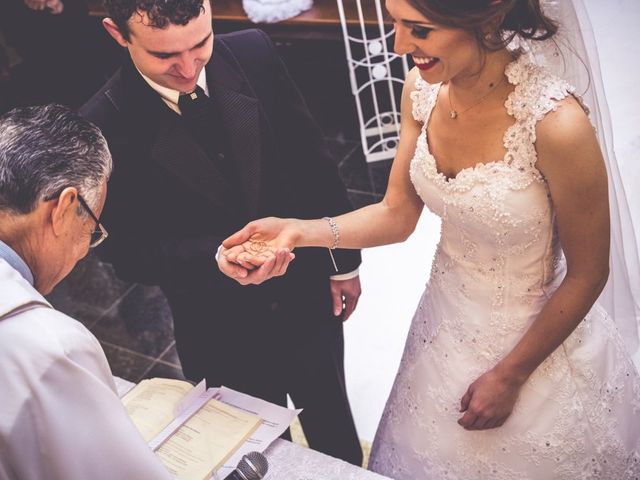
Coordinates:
[289,461]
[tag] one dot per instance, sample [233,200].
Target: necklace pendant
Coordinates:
[453,114]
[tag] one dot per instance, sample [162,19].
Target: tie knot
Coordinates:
[190,102]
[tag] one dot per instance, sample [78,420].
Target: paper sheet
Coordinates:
[151,405]
[206,440]
[275,420]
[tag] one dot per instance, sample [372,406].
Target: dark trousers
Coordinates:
[269,355]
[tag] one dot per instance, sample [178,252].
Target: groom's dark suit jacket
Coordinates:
[170,206]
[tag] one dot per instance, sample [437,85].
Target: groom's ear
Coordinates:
[113,30]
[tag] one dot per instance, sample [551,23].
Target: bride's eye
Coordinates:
[420,32]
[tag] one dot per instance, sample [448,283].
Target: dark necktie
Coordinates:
[196,110]
[198,113]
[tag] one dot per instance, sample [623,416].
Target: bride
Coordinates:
[511,369]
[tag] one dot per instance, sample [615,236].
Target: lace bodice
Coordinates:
[536,93]
[498,222]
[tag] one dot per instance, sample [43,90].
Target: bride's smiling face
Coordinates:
[441,53]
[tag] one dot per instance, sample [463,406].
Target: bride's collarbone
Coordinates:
[467,141]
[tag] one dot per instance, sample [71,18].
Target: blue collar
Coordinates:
[14,260]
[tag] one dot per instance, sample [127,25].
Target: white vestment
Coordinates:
[60,416]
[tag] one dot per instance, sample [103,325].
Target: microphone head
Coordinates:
[253,466]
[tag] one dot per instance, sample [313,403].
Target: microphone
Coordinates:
[252,466]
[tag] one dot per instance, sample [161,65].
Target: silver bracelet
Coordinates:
[336,240]
[334,231]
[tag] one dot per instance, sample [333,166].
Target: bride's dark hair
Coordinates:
[510,18]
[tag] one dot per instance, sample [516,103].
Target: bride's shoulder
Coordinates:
[419,94]
[566,125]
[539,92]
[414,83]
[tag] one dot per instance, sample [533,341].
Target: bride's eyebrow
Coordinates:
[417,23]
[409,22]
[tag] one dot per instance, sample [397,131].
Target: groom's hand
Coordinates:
[251,274]
[345,294]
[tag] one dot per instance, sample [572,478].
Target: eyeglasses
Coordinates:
[100,233]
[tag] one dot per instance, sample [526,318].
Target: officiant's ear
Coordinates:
[113,30]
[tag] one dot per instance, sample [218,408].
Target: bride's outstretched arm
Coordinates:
[571,161]
[391,220]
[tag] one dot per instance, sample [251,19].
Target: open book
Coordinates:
[191,431]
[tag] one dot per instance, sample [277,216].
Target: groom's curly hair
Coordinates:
[160,12]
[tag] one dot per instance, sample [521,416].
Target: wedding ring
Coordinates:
[257,246]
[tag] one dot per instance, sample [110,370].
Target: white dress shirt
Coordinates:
[170,96]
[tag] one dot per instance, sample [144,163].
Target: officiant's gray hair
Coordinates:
[44,150]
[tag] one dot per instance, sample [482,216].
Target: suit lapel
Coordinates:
[172,147]
[175,151]
[241,116]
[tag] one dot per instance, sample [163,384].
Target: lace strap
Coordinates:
[423,99]
[537,92]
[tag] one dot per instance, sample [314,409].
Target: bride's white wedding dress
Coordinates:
[498,261]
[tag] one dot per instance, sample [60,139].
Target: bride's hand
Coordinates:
[489,401]
[260,240]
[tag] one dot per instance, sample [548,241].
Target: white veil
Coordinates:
[572,55]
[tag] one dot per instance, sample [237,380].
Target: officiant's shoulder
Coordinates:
[60,335]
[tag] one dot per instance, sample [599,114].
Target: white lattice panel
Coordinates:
[377,75]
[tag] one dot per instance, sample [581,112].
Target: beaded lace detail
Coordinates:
[498,261]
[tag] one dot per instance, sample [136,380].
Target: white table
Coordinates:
[290,461]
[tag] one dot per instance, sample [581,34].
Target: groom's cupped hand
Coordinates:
[260,251]
[247,273]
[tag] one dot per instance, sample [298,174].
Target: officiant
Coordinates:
[202,144]
[61,416]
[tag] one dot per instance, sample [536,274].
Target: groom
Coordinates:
[189,170]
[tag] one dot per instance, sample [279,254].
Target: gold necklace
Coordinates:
[454,114]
